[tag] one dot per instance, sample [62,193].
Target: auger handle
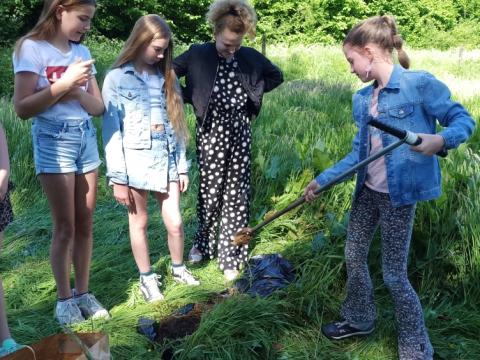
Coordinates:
[409,137]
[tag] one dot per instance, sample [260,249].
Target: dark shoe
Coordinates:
[343,329]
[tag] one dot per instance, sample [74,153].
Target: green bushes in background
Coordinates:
[431,23]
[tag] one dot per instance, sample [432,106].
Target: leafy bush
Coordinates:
[292,21]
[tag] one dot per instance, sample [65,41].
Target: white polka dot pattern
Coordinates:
[223,153]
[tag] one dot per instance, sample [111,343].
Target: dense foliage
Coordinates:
[424,23]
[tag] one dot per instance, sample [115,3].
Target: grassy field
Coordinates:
[304,125]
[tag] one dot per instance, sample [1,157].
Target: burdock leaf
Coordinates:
[274,168]
[318,242]
[321,160]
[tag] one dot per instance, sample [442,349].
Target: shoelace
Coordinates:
[184,273]
[71,309]
[91,301]
[153,280]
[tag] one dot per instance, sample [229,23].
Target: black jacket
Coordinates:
[199,66]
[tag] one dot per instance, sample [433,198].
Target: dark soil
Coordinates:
[179,326]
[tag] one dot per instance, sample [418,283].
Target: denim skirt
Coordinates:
[64,146]
[151,169]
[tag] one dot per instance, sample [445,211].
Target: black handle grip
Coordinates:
[409,137]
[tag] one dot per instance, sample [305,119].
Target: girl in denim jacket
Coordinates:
[388,189]
[144,135]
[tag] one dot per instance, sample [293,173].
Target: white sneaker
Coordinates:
[67,312]
[195,256]
[183,275]
[90,306]
[149,287]
[230,274]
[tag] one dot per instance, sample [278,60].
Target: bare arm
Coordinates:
[91,100]
[28,102]
[4,164]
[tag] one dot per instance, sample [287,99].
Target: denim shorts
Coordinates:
[64,146]
[151,169]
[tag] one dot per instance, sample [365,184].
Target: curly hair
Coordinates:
[237,16]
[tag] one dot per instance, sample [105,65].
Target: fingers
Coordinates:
[309,192]
[183,182]
[184,185]
[125,201]
[89,62]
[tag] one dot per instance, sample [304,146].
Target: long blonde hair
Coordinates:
[146,29]
[47,24]
[237,16]
[379,30]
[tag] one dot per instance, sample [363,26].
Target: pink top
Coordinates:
[376,170]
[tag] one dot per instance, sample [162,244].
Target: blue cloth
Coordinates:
[264,274]
[126,123]
[151,169]
[64,146]
[414,101]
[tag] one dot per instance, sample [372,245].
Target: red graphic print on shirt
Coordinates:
[54,73]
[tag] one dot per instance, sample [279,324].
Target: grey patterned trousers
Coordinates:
[369,210]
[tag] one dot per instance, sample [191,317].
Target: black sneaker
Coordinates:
[343,329]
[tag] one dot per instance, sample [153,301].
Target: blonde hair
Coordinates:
[47,24]
[379,30]
[237,16]
[146,29]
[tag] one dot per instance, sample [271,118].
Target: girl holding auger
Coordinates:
[388,189]
[225,83]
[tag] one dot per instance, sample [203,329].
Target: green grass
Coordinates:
[304,126]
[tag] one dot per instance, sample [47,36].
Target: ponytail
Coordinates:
[379,30]
[403,58]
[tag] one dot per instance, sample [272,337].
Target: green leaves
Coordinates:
[318,242]
[274,168]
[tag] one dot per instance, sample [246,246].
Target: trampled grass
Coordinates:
[304,126]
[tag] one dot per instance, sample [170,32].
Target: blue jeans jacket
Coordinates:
[414,101]
[126,122]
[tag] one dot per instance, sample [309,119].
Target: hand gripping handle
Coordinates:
[409,137]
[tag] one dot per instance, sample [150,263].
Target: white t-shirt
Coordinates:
[44,59]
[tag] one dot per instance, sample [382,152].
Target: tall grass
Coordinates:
[305,125]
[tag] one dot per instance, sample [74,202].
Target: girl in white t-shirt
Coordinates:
[144,134]
[55,84]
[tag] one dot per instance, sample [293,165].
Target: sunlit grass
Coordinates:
[308,115]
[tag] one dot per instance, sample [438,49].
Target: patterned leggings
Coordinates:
[369,209]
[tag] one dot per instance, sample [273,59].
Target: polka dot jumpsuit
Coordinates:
[223,153]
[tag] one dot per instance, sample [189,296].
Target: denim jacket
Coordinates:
[414,101]
[126,122]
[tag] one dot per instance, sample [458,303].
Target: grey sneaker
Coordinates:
[90,306]
[67,312]
[149,287]
[183,275]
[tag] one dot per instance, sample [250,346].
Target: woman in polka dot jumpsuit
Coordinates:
[225,84]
